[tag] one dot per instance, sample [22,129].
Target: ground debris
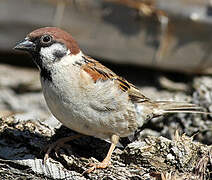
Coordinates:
[153,157]
[171,158]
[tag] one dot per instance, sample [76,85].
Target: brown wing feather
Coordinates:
[99,72]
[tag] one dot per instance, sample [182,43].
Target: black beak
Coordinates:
[25,45]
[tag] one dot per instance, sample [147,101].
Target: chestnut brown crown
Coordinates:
[58,35]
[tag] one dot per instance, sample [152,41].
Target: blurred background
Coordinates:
[162,46]
[161,34]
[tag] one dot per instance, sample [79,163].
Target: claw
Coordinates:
[105,163]
[95,166]
[57,145]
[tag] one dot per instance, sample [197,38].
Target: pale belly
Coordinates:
[75,112]
[66,111]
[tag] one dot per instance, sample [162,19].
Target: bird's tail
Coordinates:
[165,107]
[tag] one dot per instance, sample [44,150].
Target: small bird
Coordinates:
[86,96]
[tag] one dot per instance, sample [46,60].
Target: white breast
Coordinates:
[97,109]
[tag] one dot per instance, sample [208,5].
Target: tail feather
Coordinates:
[164,107]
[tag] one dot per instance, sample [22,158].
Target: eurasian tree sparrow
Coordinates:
[86,96]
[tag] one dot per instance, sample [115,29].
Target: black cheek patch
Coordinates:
[46,74]
[59,54]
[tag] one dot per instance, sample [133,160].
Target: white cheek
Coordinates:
[47,53]
[66,60]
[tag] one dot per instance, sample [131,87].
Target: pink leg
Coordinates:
[59,143]
[106,161]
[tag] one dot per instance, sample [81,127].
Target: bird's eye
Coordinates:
[46,39]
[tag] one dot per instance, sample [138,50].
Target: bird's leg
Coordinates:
[59,143]
[106,161]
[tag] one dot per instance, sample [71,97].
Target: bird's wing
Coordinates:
[98,72]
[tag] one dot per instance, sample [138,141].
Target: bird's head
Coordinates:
[48,45]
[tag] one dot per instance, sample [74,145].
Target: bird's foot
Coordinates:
[57,145]
[93,166]
[106,162]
